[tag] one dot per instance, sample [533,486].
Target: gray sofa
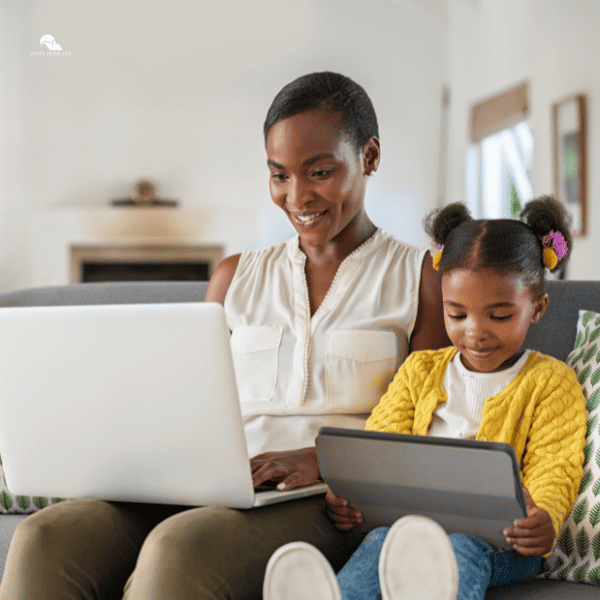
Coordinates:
[553,335]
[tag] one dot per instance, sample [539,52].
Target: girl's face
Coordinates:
[487,316]
[317,176]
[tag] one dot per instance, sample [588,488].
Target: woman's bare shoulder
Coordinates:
[221,279]
[429,332]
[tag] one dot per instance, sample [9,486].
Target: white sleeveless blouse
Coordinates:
[295,373]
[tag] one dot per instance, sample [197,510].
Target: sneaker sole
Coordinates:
[298,571]
[417,562]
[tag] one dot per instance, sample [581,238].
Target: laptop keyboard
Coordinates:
[271,484]
[266,486]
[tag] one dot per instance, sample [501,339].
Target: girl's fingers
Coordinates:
[527,551]
[527,525]
[339,518]
[333,500]
[530,542]
[347,514]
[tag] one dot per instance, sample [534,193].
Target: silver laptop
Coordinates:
[133,402]
[467,486]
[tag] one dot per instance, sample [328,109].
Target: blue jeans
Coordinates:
[480,566]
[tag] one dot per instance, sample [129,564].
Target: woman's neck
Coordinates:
[349,239]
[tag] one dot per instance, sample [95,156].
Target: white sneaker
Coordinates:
[298,571]
[417,562]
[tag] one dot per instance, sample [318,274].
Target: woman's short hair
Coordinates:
[329,91]
[506,245]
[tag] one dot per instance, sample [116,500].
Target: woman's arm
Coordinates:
[220,280]
[429,332]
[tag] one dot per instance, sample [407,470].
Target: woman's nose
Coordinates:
[297,193]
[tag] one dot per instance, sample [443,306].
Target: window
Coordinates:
[499,159]
[498,173]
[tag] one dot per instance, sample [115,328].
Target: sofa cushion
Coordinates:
[9,503]
[576,556]
[542,589]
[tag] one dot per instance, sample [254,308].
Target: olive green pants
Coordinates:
[89,549]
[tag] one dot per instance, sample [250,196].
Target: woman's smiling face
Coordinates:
[317,175]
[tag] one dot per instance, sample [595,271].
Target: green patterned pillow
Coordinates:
[9,503]
[576,556]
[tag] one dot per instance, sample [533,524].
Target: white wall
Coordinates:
[178,92]
[15,254]
[494,45]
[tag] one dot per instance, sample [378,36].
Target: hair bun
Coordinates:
[439,222]
[550,221]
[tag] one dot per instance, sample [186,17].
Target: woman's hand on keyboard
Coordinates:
[293,468]
[534,534]
[344,517]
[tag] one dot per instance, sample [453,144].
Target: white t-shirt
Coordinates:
[295,373]
[460,415]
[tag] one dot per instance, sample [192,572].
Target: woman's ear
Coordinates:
[371,154]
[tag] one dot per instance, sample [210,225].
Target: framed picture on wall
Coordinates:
[570,157]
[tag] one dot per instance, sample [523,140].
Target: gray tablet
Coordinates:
[469,487]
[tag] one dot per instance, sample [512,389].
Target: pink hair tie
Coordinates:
[556,241]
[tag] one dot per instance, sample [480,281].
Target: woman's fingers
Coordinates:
[266,473]
[294,468]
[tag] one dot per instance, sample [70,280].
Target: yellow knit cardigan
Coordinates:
[541,413]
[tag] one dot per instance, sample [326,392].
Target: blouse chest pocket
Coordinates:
[255,352]
[360,366]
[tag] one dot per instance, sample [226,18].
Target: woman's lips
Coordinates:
[308,219]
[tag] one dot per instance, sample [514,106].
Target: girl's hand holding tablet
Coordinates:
[344,517]
[533,535]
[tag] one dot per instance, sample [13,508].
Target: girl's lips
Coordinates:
[481,353]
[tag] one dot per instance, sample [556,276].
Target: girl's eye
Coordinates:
[495,318]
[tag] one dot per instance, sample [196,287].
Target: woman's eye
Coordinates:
[322,173]
[278,176]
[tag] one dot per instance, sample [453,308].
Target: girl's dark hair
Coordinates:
[507,245]
[329,91]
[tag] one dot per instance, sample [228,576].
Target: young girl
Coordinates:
[484,387]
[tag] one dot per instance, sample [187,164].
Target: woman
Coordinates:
[304,314]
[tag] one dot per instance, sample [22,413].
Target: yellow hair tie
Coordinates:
[436,260]
[550,258]
[555,247]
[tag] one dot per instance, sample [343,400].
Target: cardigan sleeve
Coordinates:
[552,465]
[395,412]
